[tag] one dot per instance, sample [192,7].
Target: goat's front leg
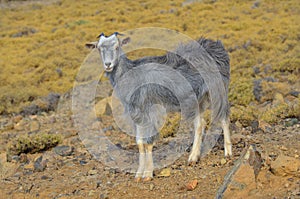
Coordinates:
[142,160]
[145,145]
[148,172]
[145,169]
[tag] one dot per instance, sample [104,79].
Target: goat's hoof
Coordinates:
[192,163]
[138,179]
[193,159]
[147,179]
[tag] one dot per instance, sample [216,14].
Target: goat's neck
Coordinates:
[123,66]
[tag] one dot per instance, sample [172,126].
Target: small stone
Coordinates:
[223,161]
[29,166]
[237,138]
[91,192]
[291,122]
[20,125]
[82,162]
[40,164]
[64,150]
[165,173]
[17,118]
[98,184]
[283,148]
[92,172]
[192,185]
[151,187]
[44,177]
[23,158]
[103,196]
[103,107]
[34,126]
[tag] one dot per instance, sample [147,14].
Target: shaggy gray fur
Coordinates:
[190,79]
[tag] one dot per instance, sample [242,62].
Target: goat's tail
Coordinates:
[218,92]
[217,51]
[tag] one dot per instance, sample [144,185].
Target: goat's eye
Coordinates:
[117,48]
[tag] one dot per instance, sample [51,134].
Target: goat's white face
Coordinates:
[109,49]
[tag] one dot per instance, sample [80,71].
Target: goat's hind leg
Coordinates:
[199,125]
[227,142]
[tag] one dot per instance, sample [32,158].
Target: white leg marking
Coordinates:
[142,159]
[199,126]
[227,142]
[148,172]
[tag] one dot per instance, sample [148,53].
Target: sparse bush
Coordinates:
[34,143]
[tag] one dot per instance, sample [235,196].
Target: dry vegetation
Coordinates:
[42,47]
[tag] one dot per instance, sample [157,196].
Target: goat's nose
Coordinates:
[107,64]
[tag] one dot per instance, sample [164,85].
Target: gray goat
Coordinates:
[144,82]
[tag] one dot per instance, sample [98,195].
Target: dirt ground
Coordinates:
[70,171]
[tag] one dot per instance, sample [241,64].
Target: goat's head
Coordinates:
[109,48]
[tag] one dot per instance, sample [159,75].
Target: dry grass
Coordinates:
[42,45]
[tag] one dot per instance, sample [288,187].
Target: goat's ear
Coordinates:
[125,41]
[91,45]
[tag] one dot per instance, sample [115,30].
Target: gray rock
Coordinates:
[64,150]
[40,164]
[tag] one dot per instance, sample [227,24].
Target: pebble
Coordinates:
[91,192]
[40,164]
[223,161]
[151,187]
[92,172]
[23,158]
[103,196]
[165,173]
[64,150]
[82,162]
[34,126]
[283,148]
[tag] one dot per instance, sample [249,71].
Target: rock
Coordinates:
[45,104]
[294,93]
[23,158]
[237,138]
[103,196]
[257,89]
[223,161]
[285,165]
[104,107]
[29,166]
[25,32]
[40,164]
[192,185]
[264,126]
[34,126]
[256,4]
[92,172]
[20,126]
[151,187]
[291,122]
[64,150]
[242,177]
[91,193]
[165,173]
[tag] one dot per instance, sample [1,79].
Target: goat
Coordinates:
[144,82]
